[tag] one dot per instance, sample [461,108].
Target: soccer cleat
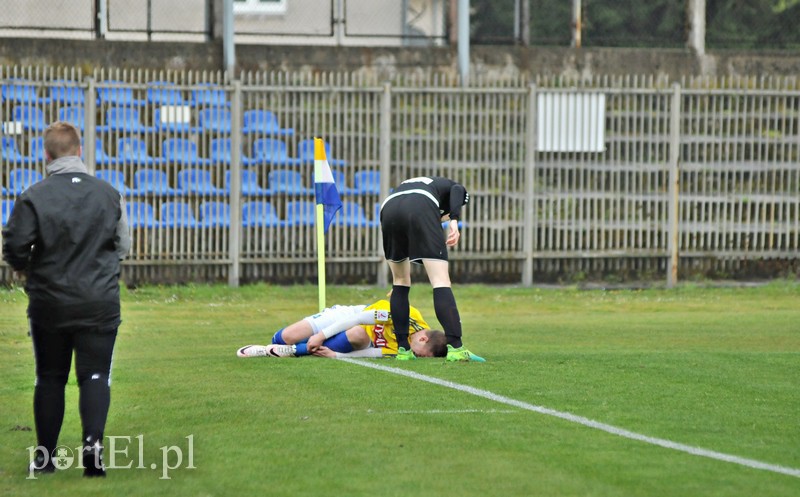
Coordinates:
[271,350]
[252,351]
[461,354]
[276,350]
[405,355]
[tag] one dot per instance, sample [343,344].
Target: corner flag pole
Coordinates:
[328,202]
[320,258]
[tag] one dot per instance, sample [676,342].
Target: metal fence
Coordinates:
[612,178]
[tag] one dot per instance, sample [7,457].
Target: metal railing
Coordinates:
[701,173]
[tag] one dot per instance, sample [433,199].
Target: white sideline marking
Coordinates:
[697,451]
[446,411]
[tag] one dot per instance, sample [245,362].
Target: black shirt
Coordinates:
[449,195]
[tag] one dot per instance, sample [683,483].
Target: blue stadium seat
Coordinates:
[260,213]
[214,120]
[134,151]
[215,214]
[264,122]
[9,151]
[116,178]
[3,191]
[31,117]
[20,179]
[300,212]
[221,151]
[250,186]
[178,215]
[197,182]
[375,222]
[305,152]
[37,152]
[101,158]
[174,122]
[21,91]
[351,214]
[286,181]
[141,215]
[117,94]
[164,93]
[67,92]
[152,181]
[74,114]
[6,206]
[182,151]
[367,182]
[124,119]
[209,95]
[272,151]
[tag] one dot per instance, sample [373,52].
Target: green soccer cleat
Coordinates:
[461,354]
[405,355]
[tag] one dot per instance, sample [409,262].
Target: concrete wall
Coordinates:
[507,62]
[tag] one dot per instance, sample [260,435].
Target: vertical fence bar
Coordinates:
[235,233]
[90,134]
[674,186]
[530,203]
[385,167]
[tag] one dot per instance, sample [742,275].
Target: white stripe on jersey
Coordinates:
[406,192]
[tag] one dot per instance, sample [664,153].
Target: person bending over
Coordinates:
[412,232]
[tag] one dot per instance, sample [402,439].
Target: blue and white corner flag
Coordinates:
[324,188]
[328,203]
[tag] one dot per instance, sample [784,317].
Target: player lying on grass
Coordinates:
[350,331]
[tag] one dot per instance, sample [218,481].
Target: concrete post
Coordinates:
[696,25]
[228,47]
[463,41]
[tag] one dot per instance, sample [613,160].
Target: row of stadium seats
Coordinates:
[199,182]
[70,92]
[179,151]
[218,214]
[164,119]
[256,213]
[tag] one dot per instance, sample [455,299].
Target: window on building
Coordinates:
[259,6]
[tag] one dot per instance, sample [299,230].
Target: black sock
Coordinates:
[444,303]
[48,412]
[400,314]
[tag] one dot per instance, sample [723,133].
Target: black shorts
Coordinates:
[412,229]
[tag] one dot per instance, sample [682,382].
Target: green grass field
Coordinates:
[717,369]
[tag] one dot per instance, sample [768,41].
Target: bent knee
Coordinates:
[93,376]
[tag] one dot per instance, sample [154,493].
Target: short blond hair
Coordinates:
[62,139]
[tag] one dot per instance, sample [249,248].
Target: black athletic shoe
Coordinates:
[93,462]
[39,467]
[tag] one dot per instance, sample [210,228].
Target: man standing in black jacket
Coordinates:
[68,233]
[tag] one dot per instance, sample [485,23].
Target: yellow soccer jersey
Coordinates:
[382,332]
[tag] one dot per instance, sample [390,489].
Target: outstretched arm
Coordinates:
[371,352]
